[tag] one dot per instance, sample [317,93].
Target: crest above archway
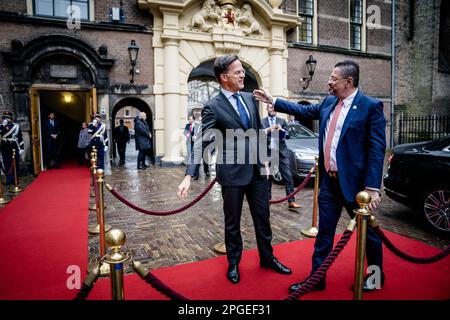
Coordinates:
[189,32]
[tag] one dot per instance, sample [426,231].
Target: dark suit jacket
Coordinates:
[362,143]
[281,135]
[49,129]
[121,136]
[219,114]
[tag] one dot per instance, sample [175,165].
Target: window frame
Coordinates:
[313,18]
[361,24]
[89,6]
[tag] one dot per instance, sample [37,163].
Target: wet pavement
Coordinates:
[161,241]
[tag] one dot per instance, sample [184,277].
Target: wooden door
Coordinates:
[35,131]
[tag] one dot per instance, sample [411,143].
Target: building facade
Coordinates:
[48,55]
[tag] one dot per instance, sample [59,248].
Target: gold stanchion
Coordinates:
[312,232]
[220,248]
[115,239]
[95,229]
[93,170]
[16,188]
[362,216]
[3,201]
[104,270]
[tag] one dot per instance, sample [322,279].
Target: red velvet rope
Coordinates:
[163,213]
[320,273]
[161,287]
[441,255]
[300,187]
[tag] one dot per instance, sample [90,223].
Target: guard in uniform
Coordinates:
[99,139]
[11,139]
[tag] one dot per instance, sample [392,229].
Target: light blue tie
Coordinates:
[242,112]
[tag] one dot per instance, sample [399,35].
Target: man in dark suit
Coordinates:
[10,140]
[278,147]
[121,137]
[230,113]
[52,138]
[352,143]
[143,138]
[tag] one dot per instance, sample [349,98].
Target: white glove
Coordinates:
[105,149]
[21,152]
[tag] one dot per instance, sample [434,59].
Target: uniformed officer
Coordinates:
[99,139]
[11,139]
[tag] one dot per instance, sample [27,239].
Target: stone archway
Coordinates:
[139,104]
[189,33]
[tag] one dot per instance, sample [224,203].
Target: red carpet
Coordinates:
[44,230]
[206,280]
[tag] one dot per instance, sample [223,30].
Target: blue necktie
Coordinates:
[242,112]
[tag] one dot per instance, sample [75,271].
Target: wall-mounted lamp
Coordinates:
[133,51]
[67,97]
[311,66]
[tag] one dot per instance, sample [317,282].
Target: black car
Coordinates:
[419,177]
[303,146]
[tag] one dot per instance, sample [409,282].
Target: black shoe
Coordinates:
[195,178]
[141,168]
[145,166]
[233,273]
[318,287]
[368,285]
[276,265]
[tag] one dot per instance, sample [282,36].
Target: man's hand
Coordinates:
[263,95]
[375,199]
[273,128]
[105,149]
[184,187]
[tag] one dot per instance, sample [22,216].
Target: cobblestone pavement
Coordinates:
[161,241]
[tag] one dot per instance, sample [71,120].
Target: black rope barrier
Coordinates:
[164,289]
[160,213]
[441,255]
[320,273]
[299,188]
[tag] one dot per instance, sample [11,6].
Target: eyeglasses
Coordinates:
[335,79]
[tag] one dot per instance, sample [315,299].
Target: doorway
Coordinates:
[71,108]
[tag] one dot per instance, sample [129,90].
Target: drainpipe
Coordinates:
[392,114]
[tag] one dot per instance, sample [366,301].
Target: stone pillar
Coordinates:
[171,88]
[276,71]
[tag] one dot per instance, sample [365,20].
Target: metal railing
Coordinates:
[422,128]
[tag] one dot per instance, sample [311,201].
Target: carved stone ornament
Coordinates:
[227,17]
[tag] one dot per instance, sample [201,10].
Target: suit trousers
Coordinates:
[331,203]
[258,201]
[286,174]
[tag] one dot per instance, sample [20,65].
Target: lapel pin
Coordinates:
[354,107]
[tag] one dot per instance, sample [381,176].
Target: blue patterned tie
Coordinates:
[242,112]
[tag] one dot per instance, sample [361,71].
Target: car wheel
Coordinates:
[276,176]
[436,209]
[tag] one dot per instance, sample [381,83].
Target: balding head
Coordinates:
[143,115]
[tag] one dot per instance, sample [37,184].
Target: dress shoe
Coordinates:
[276,265]
[369,286]
[318,287]
[233,273]
[145,166]
[195,178]
[293,205]
[141,168]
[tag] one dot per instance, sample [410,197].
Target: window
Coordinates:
[58,8]
[306,12]
[127,113]
[356,22]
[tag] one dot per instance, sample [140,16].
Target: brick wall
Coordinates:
[132,12]
[116,41]
[414,57]
[375,74]
[19,6]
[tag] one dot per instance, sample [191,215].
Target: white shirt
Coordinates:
[232,100]
[337,132]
